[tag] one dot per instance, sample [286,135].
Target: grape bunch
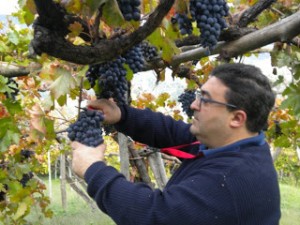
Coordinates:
[184,23]
[4,188]
[134,58]
[25,178]
[186,99]
[111,78]
[209,15]
[87,129]
[27,153]
[130,9]
[149,51]
[92,74]
[14,89]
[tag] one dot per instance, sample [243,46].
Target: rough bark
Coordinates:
[251,14]
[158,168]
[51,41]
[276,152]
[124,155]
[80,192]
[140,165]
[14,70]
[282,31]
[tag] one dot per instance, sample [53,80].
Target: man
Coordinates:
[231,180]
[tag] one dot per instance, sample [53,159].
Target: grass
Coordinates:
[290,204]
[79,212]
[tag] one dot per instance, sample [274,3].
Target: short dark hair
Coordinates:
[250,90]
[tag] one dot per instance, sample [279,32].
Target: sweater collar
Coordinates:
[235,147]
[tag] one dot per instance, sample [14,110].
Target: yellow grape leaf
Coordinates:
[75,28]
[37,118]
[162,98]
[167,46]
[181,6]
[74,6]
[20,211]
[171,104]
[63,84]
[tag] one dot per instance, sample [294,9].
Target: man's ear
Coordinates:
[239,118]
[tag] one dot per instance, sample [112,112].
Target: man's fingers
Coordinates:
[97,104]
[101,103]
[76,145]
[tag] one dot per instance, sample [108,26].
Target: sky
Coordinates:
[8,6]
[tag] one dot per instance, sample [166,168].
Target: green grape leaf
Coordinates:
[62,100]
[63,84]
[94,4]
[9,133]
[283,59]
[13,37]
[167,46]
[129,72]
[22,208]
[13,107]
[112,14]
[293,98]
[49,124]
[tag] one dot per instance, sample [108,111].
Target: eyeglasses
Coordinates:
[201,99]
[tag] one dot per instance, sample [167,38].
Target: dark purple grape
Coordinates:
[184,23]
[87,129]
[186,99]
[25,178]
[209,17]
[26,153]
[14,89]
[130,9]
[149,52]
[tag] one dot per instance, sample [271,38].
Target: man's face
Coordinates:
[211,120]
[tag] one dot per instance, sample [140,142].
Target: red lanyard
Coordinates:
[174,151]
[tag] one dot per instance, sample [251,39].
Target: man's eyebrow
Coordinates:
[203,92]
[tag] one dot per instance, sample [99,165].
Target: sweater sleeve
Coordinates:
[194,200]
[153,128]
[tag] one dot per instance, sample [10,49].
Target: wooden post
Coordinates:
[63,181]
[124,155]
[276,152]
[140,165]
[49,174]
[298,152]
[158,168]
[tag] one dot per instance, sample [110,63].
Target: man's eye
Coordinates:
[205,100]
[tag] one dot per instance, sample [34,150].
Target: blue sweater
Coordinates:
[232,185]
